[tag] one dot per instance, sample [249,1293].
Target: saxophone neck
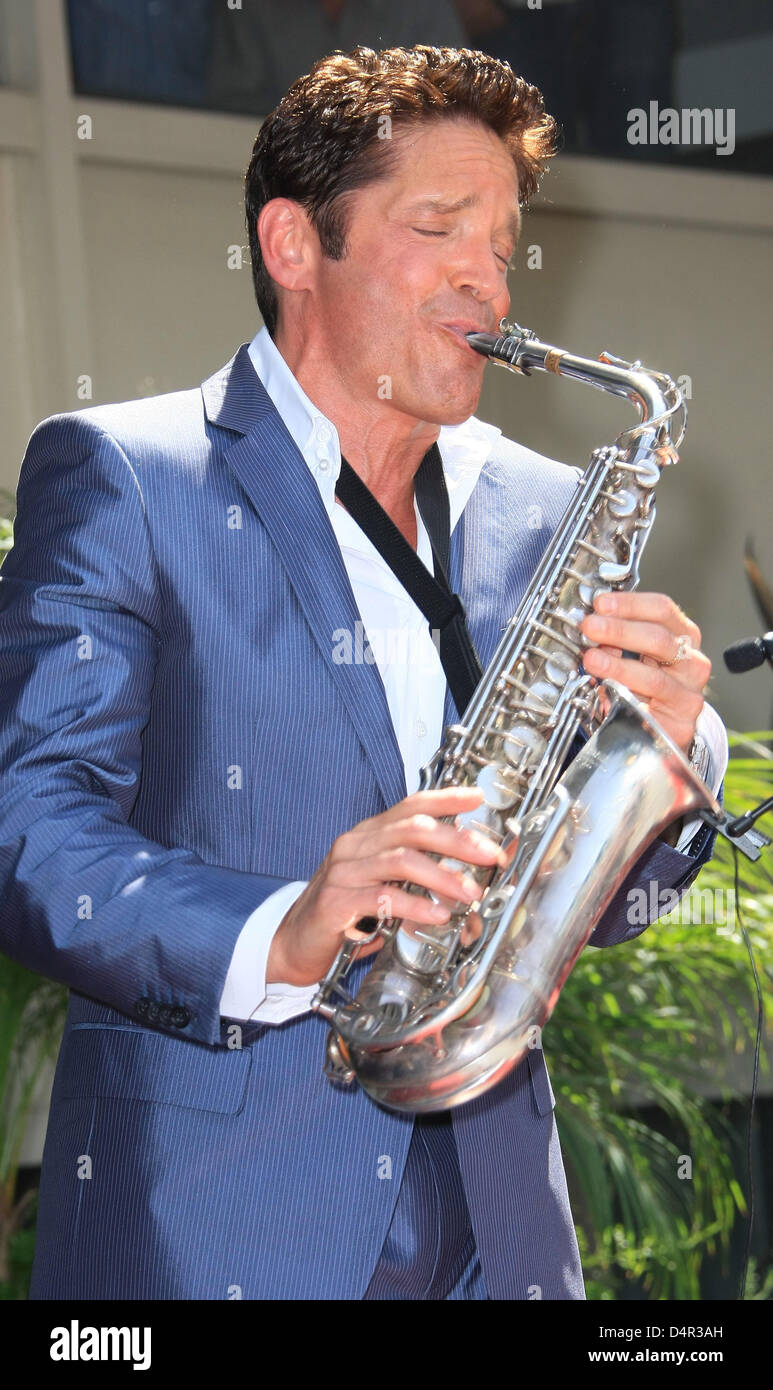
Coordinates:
[661,407]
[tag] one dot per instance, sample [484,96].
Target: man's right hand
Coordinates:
[351,882]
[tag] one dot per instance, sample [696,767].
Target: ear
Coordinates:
[289,243]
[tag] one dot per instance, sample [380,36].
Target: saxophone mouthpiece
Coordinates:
[482,342]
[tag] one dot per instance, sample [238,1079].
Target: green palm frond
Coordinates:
[653,1025]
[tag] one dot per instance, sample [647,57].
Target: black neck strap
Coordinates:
[442,609]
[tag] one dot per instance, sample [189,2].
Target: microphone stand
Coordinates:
[740,830]
[744,656]
[743,823]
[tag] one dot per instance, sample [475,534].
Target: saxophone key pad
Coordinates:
[623,504]
[524,746]
[484,819]
[559,667]
[496,784]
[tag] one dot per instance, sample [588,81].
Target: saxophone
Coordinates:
[438,1019]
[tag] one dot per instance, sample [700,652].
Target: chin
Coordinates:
[457,417]
[452,408]
[459,409]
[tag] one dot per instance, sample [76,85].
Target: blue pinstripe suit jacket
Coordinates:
[177,742]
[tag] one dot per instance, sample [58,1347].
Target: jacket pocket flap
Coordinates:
[125,1063]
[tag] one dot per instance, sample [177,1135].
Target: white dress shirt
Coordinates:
[399,638]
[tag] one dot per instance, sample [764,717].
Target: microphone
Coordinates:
[744,656]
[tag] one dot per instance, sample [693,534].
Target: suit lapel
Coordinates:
[278,482]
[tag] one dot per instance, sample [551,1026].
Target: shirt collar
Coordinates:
[463,448]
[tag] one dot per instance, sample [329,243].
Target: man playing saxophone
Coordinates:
[226,855]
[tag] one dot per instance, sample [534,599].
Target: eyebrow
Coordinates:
[439,204]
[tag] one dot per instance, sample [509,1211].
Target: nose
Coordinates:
[477,270]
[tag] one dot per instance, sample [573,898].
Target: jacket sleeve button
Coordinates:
[142,1007]
[181,1017]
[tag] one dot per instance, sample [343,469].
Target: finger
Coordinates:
[652,683]
[693,671]
[647,607]
[438,801]
[442,801]
[440,837]
[648,639]
[691,674]
[418,831]
[378,903]
[404,865]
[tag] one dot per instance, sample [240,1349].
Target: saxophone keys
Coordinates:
[621,504]
[540,698]
[512,839]
[524,746]
[484,819]
[496,783]
[338,1068]
[559,667]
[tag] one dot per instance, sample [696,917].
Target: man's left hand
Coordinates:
[673,672]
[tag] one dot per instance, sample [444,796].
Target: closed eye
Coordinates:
[507,261]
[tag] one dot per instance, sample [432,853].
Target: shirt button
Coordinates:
[421,729]
[323,431]
[323,463]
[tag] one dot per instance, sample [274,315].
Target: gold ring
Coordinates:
[683,649]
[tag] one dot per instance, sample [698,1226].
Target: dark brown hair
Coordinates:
[318,144]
